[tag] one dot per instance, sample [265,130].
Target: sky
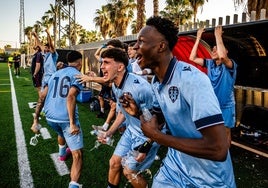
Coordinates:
[85,13]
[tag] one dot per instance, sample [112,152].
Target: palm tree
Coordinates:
[114,17]
[177,11]
[195,4]
[123,15]
[28,32]
[37,27]
[140,14]
[102,21]
[50,19]
[255,5]
[47,21]
[88,36]
[156,7]
[73,31]
[133,27]
[63,41]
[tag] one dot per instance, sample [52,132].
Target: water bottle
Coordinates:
[146,113]
[109,141]
[127,159]
[94,132]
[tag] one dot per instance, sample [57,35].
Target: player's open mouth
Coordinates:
[105,74]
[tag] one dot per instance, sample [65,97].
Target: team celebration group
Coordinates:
[182,108]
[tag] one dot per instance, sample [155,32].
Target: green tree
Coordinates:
[133,27]
[102,21]
[28,32]
[88,36]
[124,15]
[37,27]
[195,4]
[177,11]
[114,17]
[73,31]
[50,18]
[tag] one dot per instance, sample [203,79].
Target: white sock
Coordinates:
[74,183]
[105,126]
[62,150]
[102,110]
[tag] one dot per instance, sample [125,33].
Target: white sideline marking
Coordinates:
[61,167]
[44,133]
[26,179]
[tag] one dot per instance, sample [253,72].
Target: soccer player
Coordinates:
[49,67]
[105,87]
[37,70]
[17,65]
[197,143]
[222,74]
[127,84]
[62,113]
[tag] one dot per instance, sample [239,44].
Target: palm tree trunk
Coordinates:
[156,7]
[140,14]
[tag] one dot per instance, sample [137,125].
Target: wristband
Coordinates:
[144,148]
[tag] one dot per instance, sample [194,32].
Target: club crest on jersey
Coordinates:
[188,68]
[173,93]
[136,81]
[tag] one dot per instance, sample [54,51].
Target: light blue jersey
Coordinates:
[223,80]
[183,97]
[133,136]
[58,87]
[141,92]
[50,61]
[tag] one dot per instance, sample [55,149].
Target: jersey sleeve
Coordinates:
[199,94]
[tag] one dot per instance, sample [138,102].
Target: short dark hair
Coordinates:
[47,45]
[125,45]
[117,54]
[131,44]
[115,43]
[166,28]
[72,56]
[38,48]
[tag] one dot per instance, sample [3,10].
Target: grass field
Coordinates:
[24,165]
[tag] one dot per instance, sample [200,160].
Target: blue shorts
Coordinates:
[169,179]
[228,116]
[126,145]
[45,80]
[74,141]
